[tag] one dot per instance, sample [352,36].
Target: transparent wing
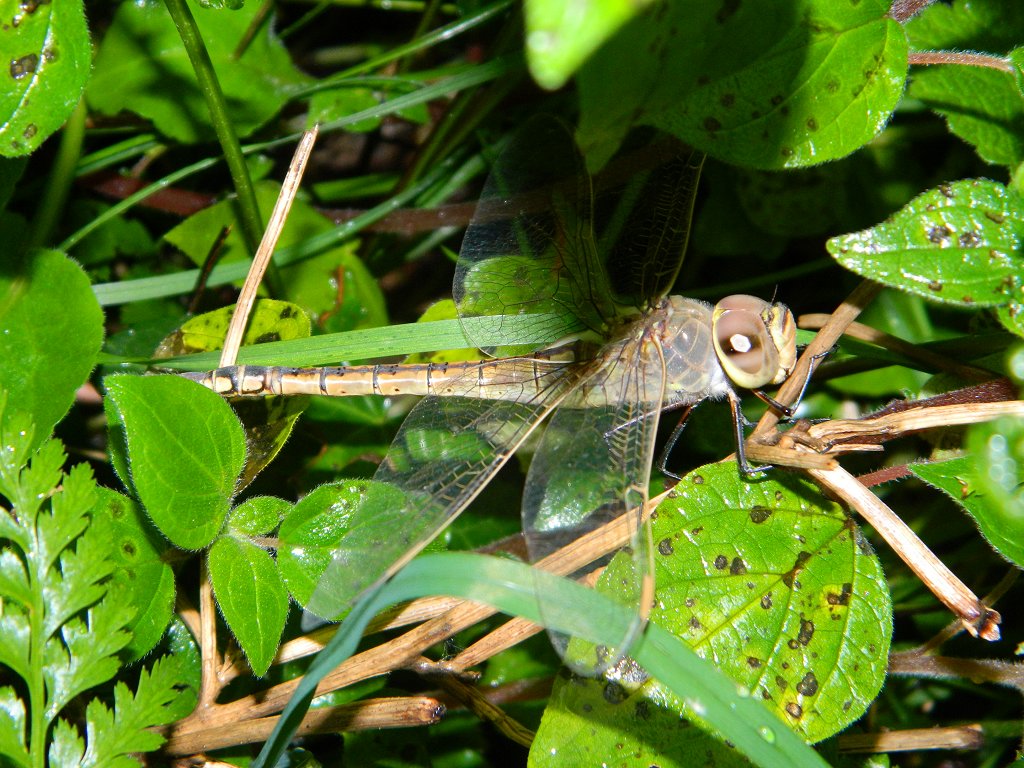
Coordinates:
[530,248]
[645,199]
[446,451]
[592,467]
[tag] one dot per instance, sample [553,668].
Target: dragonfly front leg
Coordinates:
[740,423]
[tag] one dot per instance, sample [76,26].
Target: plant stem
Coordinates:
[55,193]
[252,223]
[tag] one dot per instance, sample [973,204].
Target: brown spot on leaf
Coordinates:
[766,601]
[780,683]
[806,632]
[721,562]
[794,710]
[737,567]
[614,693]
[809,685]
[24,66]
[753,662]
[759,514]
[789,577]
[665,547]
[727,99]
[841,599]
[695,623]
[712,124]
[969,239]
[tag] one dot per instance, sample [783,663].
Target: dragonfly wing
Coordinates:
[446,451]
[592,467]
[645,217]
[530,248]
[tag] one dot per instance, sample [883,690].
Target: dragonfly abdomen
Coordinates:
[500,379]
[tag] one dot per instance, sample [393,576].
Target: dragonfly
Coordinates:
[540,245]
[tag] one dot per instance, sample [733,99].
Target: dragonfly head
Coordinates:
[755,341]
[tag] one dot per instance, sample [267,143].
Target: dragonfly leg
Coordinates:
[739,424]
[671,444]
[788,410]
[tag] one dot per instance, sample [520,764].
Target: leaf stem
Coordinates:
[961,57]
[252,223]
[55,192]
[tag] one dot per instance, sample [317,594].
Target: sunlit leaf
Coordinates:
[773,582]
[746,83]
[185,451]
[47,55]
[251,596]
[959,243]
[560,35]
[53,328]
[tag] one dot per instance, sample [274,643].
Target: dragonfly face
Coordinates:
[755,341]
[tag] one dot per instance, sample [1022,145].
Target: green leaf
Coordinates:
[78,582]
[957,244]
[117,734]
[331,104]
[974,25]
[141,578]
[561,35]
[142,67]
[997,450]
[251,596]
[53,328]
[771,581]
[67,747]
[185,451]
[269,321]
[258,516]
[47,55]
[86,654]
[784,589]
[12,728]
[312,537]
[119,236]
[746,83]
[984,107]
[1001,523]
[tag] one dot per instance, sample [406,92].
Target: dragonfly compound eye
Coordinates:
[743,343]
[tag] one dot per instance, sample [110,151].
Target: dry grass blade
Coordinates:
[260,262]
[371,714]
[913,739]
